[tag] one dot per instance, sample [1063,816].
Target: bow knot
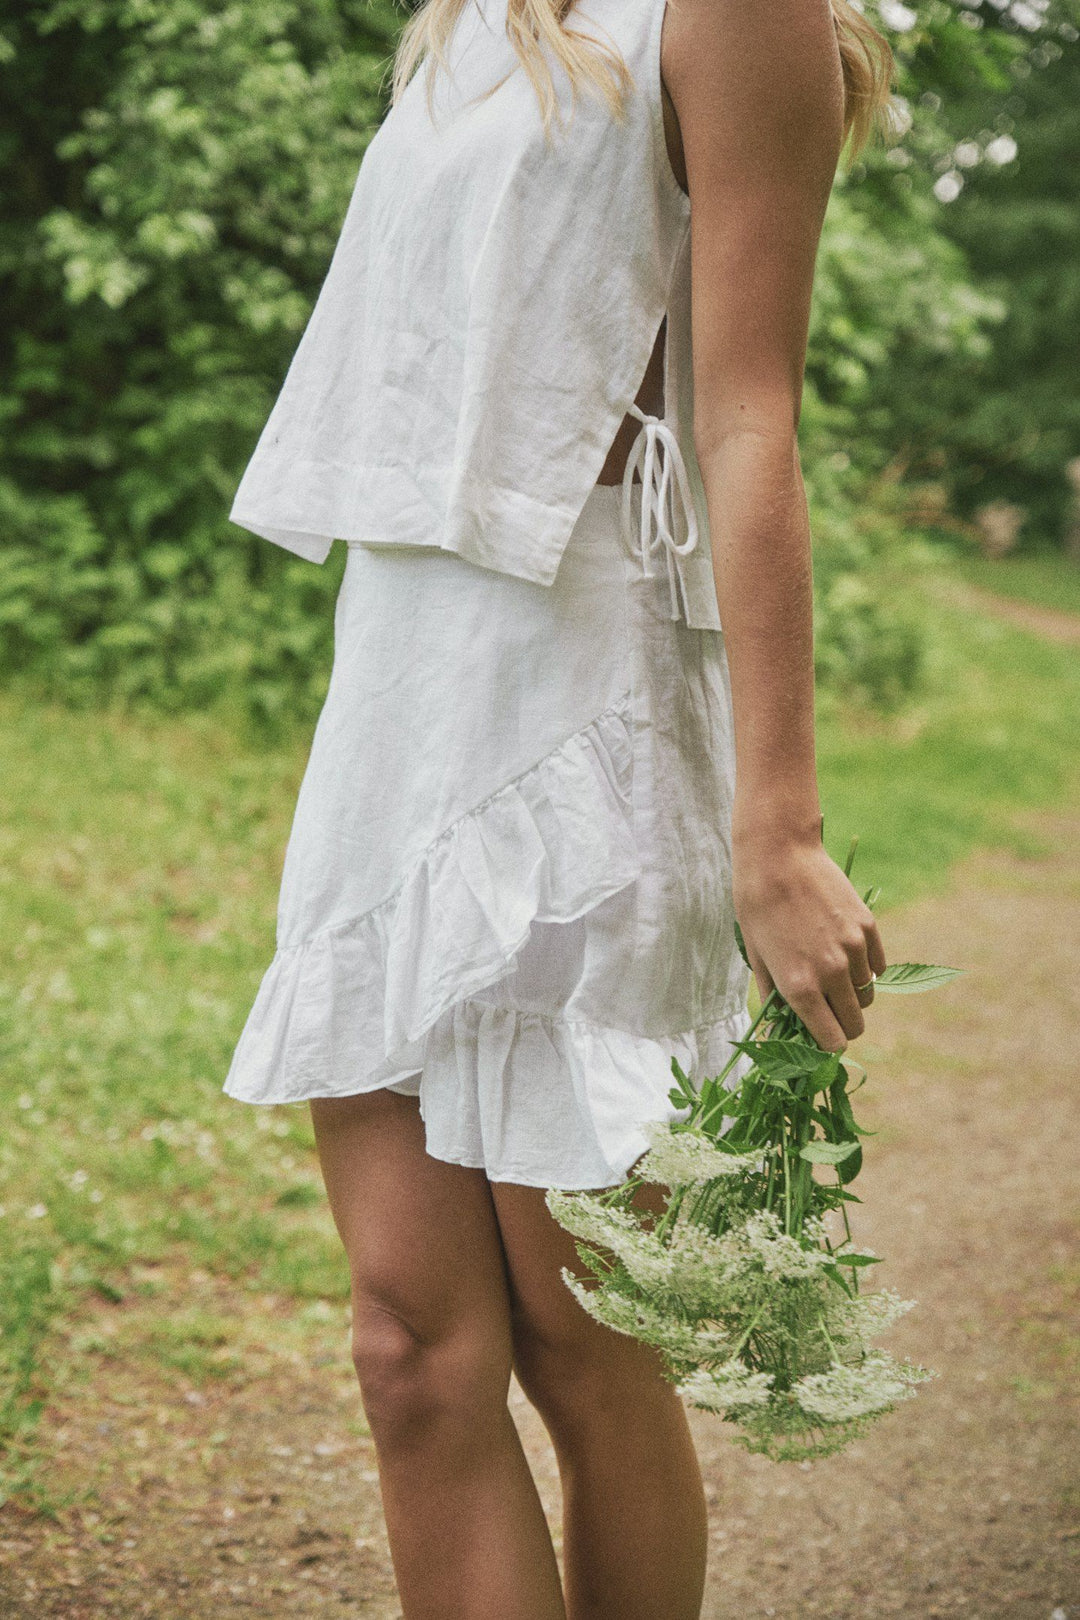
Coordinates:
[656,456]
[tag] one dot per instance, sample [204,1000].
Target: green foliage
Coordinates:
[168,220]
[167,226]
[993,91]
[1014,418]
[139,864]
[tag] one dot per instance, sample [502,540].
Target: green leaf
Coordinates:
[850,1167]
[909,977]
[783,1060]
[741,944]
[828,1152]
[858,1260]
[824,1076]
[836,1276]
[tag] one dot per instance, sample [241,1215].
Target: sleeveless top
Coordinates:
[486,321]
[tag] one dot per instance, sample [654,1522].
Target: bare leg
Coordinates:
[635,1525]
[432,1346]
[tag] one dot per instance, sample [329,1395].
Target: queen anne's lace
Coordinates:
[755,1310]
[750,1320]
[843,1393]
[683,1158]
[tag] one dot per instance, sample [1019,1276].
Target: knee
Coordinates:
[419,1390]
[584,1376]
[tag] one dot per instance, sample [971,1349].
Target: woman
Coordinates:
[577,595]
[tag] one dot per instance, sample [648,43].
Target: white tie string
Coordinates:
[658,491]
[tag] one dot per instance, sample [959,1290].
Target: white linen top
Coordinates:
[486,322]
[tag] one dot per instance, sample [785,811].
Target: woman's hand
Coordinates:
[808,933]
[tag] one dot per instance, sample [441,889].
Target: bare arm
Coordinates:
[758,92]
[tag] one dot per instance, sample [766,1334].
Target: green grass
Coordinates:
[139,862]
[138,869]
[996,732]
[1045,579]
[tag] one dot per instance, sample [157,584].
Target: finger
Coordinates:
[819,1019]
[762,977]
[840,993]
[862,976]
[875,950]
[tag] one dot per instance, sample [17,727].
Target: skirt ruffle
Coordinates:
[406,995]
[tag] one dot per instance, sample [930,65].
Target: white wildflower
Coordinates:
[684,1158]
[700,1269]
[857,1321]
[616,1230]
[585,1217]
[780,1255]
[843,1394]
[637,1318]
[728,1387]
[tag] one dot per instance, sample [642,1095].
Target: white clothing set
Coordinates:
[507,889]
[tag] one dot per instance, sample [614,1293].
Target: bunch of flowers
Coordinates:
[754,1307]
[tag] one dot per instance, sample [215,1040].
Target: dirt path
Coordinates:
[255,1494]
[1053,624]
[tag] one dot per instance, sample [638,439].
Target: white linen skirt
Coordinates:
[507,889]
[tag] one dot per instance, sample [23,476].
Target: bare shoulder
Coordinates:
[756,82]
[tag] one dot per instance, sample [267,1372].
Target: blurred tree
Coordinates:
[1015,414]
[175,172]
[960,298]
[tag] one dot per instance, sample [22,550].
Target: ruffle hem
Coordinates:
[401,995]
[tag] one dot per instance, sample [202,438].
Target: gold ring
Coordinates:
[869,985]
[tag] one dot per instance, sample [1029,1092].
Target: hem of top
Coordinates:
[304,543]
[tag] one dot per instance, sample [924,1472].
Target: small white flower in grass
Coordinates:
[684,1158]
[37,1212]
[726,1388]
[843,1394]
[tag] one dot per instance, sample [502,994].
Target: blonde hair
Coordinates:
[534,26]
